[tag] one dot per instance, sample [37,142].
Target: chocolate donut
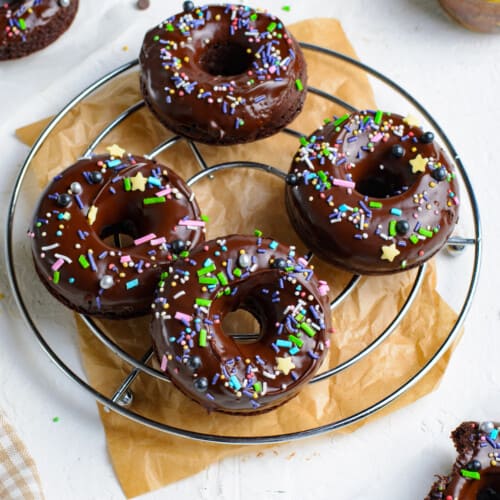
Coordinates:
[264,278]
[105,229]
[30,25]
[372,193]
[223,74]
[476,471]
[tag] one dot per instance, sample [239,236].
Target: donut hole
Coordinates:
[488,488]
[120,234]
[226,59]
[242,326]
[383,181]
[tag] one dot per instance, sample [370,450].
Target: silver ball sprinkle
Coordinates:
[244,260]
[64,3]
[487,427]
[106,282]
[76,188]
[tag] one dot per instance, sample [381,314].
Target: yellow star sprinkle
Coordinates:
[418,164]
[389,252]
[411,120]
[92,214]
[285,365]
[115,151]
[138,182]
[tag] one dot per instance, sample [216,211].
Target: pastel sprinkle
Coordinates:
[202,339]
[132,284]
[144,239]
[153,201]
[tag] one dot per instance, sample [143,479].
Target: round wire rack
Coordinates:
[122,400]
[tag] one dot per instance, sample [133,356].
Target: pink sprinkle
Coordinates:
[144,239]
[183,317]
[158,241]
[323,290]
[272,69]
[302,261]
[163,192]
[343,183]
[456,200]
[198,223]
[377,137]
[164,362]
[57,264]
[125,258]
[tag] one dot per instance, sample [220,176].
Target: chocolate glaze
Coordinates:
[199,80]
[71,250]
[241,378]
[478,447]
[370,197]
[29,25]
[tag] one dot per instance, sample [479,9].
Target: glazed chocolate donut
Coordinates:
[223,74]
[30,25]
[105,229]
[267,280]
[476,471]
[372,193]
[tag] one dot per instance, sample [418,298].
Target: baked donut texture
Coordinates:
[30,25]
[269,281]
[106,227]
[372,193]
[223,74]
[476,472]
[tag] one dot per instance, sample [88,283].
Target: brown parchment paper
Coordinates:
[240,201]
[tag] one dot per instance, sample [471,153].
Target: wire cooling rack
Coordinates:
[122,399]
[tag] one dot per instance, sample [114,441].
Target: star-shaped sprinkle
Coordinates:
[115,151]
[285,365]
[389,252]
[92,214]
[411,120]
[418,164]
[138,182]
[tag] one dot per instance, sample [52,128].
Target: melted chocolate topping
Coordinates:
[264,278]
[476,472]
[372,193]
[105,228]
[223,74]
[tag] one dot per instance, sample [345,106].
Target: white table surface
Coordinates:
[456,75]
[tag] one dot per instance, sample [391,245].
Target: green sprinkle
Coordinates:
[156,38]
[237,272]
[299,317]
[378,117]
[414,239]
[308,329]
[170,27]
[299,85]
[304,141]
[22,23]
[55,420]
[436,229]
[202,339]
[341,120]
[127,184]
[470,473]
[253,17]
[375,204]
[154,200]
[425,232]
[326,121]
[392,228]
[207,280]
[164,275]
[183,254]
[286,8]
[271,27]
[322,176]
[257,233]
[257,387]
[56,277]
[227,290]
[366,119]
[222,278]
[403,264]
[203,302]
[298,342]
[204,218]
[206,270]
[83,261]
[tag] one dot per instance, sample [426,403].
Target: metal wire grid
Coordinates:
[122,396]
